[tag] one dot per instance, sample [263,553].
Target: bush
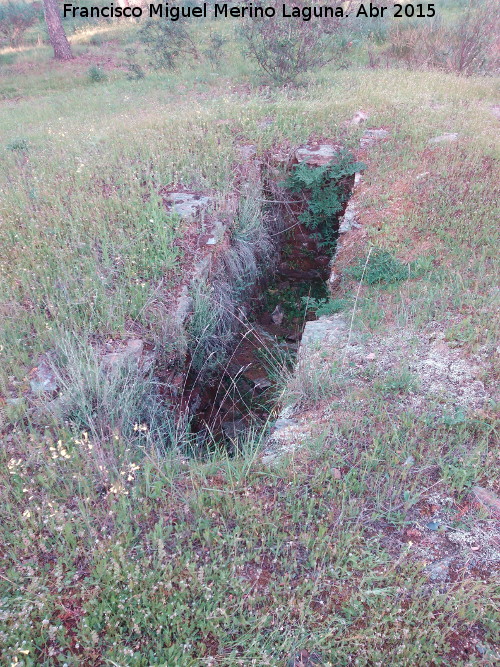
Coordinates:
[326,190]
[466,47]
[96,74]
[379,266]
[286,48]
[214,53]
[166,42]
[15,19]
[134,70]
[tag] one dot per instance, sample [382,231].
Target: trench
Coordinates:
[245,393]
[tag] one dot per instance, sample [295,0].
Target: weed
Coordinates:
[18,145]
[325,306]
[380,267]
[215,51]
[399,381]
[286,48]
[16,17]
[96,74]
[326,190]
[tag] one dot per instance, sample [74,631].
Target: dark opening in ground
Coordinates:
[247,391]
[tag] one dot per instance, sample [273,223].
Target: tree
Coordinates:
[57,36]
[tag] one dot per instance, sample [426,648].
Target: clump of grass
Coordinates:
[20,144]
[105,399]
[325,306]
[96,74]
[398,381]
[380,266]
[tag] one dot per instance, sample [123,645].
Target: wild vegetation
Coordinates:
[119,544]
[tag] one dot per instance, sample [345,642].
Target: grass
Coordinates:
[116,553]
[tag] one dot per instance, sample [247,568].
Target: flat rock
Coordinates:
[373,136]
[438,571]
[317,155]
[444,138]
[43,379]
[184,306]
[358,118]
[334,281]
[324,330]
[349,219]
[187,204]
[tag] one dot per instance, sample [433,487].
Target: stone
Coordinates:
[432,525]
[333,329]
[317,155]
[444,138]
[277,315]
[283,422]
[185,306]
[489,500]
[358,118]
[438,571]
[246,151]
[42,378]
[371,137]
[217,234]
[234,429]
[262,336]
[202,268]
[349,219]
[187,204]
[262,383]
[131,352]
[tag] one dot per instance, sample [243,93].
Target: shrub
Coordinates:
[96,74]
[166,42]
[215,50]
[15,19]
[286,48]
[466,46]
[326,189]
[134,70]
[379,266]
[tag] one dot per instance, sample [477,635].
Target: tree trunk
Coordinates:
[57,36]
